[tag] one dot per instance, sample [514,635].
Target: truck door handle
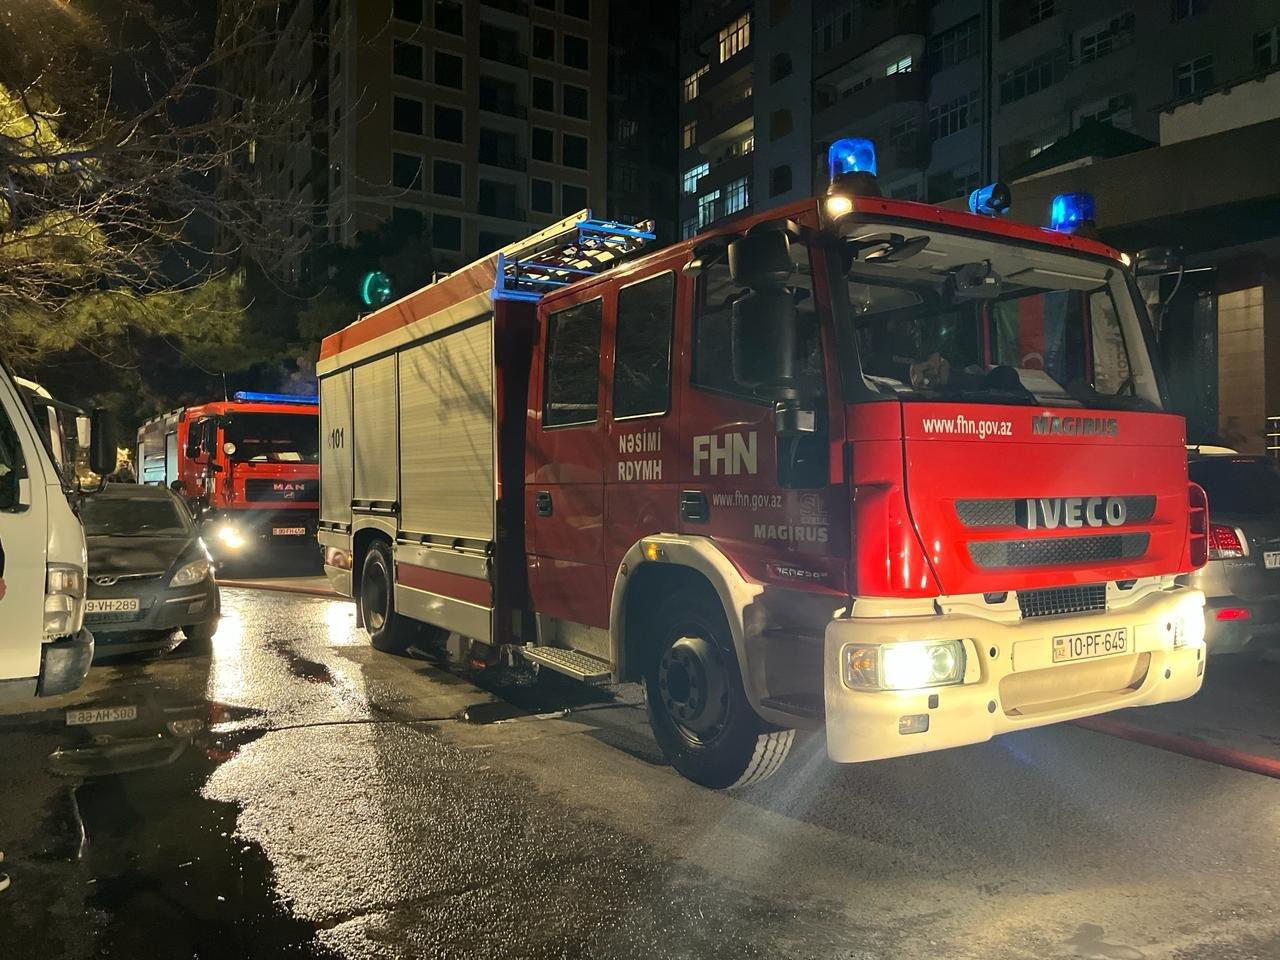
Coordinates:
[542,503]
[693,505]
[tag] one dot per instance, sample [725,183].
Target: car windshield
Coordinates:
[967,319]
[274,437]
[1240,485]
[133,517]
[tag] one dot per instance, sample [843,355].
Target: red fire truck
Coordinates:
[896,471]
[249,465]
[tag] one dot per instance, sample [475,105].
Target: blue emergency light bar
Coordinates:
[851,155]
[1070,211]
[249,396]
[991,200]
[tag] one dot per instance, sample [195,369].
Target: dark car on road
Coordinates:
[1241,581]
[149,571]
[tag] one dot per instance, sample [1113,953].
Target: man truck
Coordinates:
[247,465]
[898,473]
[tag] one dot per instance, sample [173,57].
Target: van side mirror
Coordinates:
[102,443]
[1154,261]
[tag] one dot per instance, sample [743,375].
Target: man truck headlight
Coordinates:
[193,572]
[230,537]
[904,666]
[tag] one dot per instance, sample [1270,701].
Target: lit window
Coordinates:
[737,196]
[735,37]
[708,208]
[689,182]
[748,143]
[691,82]
[901,66]
[688,228]
[689,134]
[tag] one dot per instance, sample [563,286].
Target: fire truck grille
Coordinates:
[1005,512]
[1057,601]
[281,491]
[994,554]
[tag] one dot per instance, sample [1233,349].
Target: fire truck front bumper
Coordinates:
[896,686]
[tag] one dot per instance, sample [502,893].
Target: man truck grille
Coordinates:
[1051,551]
[1057,601]
[281,491]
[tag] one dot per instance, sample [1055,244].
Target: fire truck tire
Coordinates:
[697,706]
[388,631]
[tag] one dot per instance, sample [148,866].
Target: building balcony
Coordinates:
[874,28]
[503,105]
[725,171]
[850,114]
[718,117]
[504,159]
[503,53]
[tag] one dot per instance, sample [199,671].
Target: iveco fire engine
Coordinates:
[896,471]
[247,465]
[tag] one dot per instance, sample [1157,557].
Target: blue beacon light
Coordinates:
[1070,211]
[851,155]
[991,200]
[250,396]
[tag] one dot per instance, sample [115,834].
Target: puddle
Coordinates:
[131,860]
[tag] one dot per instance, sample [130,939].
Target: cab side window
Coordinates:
[713,334]
[642,354]
[13,466]
[570,395]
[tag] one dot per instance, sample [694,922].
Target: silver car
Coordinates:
[1241,581]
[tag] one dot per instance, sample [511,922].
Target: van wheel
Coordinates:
[697,706]
[388,631]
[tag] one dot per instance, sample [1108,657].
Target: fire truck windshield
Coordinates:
[274,437]
[975,320]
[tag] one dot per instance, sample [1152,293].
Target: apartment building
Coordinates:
[471,123]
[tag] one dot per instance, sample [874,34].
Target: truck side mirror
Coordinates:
[1154,261]
[209,437]
[194,435]
[764,342]
[102,443]
[762,258]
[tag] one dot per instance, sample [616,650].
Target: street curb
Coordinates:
[282,588]
[1187,746]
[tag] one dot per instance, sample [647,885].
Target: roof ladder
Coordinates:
[548,263]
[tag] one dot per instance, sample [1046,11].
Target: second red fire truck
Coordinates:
[249,465]
[899,472]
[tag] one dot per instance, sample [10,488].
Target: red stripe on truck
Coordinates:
[455,585]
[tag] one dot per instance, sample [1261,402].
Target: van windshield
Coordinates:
[968,319]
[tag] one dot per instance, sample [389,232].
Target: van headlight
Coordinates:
[904,666]
[194,572]
[63,594]
[230,537]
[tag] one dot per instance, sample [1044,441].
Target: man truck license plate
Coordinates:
[1083,646]
[77,718]
[1271,559]
[121,605]
[289,531]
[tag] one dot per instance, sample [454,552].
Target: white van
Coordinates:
[44,648]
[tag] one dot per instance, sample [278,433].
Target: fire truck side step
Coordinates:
[572,663]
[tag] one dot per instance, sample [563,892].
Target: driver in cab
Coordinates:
[899,357]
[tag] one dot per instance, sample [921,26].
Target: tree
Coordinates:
[125,198]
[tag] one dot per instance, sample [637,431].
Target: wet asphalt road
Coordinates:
[295,793]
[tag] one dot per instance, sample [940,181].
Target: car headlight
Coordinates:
[904,666]
[193,572]
[230,537]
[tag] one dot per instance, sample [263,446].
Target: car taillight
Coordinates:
[1224,542]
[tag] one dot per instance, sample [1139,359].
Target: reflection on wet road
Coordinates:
[297,793]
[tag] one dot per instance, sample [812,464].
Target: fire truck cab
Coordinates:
[247,466]
[873,466]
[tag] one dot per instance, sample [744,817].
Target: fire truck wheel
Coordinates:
[697,706]
[388,631]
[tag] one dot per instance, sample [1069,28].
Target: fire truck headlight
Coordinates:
[230,537]
[904,666]
[1188,629]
